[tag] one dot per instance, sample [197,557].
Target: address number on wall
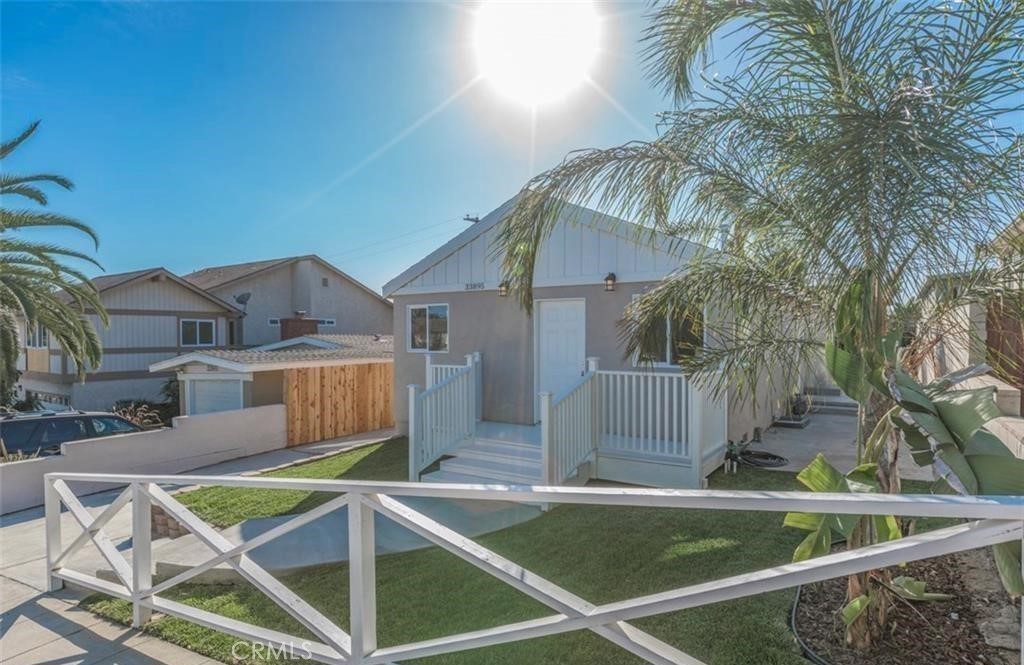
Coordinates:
[474,286]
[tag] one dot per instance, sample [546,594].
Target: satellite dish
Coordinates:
[243,298]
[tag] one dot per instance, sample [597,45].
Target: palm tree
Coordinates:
[36,282]
[849,151]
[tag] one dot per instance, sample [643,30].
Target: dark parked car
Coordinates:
[46,430]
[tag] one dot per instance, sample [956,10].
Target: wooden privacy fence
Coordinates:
[1005,340]
[328,402]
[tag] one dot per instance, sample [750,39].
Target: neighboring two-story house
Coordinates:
[154,315]
[278,289]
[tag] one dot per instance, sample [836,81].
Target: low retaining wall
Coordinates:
[191,442]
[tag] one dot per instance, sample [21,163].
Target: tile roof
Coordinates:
[349,347]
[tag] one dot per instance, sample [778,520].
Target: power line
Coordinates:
[392,238]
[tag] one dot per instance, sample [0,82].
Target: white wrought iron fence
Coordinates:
[990,520]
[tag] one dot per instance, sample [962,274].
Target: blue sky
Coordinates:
[204,133]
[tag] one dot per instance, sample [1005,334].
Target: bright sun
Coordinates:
[536,52]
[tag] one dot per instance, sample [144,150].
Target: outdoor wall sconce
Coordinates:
[609,282]
[502,289]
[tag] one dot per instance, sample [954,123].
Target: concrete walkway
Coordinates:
[833,435]
[37,628]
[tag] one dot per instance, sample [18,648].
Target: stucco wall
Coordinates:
[280,293]
[266,388]
[192,442]
[504,334]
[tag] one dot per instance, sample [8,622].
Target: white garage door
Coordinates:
[210,395]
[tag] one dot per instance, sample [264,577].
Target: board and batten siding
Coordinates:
[164,295]
[573,254]
[328,402]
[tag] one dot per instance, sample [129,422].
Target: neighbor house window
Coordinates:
[667,346]
[197,332]
[36,336]
[273,322]
[323,281]
[326,322]
[428,328]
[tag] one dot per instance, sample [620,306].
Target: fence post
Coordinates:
[362,578]
[595,404]
[429,365]
[478,378]
[142,555]
[695,434]
[415,425]
[51,503]
[547,440]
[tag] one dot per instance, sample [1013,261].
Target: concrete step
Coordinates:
[506,442]
[822,390]
[513,472]
[834,409]
[498,451]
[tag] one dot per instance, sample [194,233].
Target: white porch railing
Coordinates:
[650,414]
[992,520]
[444,416]
[570,426]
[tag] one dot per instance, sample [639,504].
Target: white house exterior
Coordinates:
[278,288]
[448,306]
[154,315]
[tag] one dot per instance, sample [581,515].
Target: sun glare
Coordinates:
[536,52]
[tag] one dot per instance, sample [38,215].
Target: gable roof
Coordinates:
[215,277]
[105,283]
[570,211]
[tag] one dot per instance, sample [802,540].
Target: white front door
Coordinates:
[561,344]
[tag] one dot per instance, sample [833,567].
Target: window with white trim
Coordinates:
[197,332]
[326,322]
[667,346]
[273,322]
[428,328]
[36,336]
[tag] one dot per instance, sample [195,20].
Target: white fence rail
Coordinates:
[991,520]
[569,427]
[444,416]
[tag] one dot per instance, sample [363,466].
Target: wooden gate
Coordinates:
[1005,341]
[328,402]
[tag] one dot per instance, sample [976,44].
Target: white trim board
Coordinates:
[573,216]
[231,365]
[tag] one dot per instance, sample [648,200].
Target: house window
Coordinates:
[323,281]
[667,346]
[197,332]
[273,322]
[36,336]
[326,322]
[428,328]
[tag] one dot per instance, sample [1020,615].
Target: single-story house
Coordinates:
[332,385]
[452,313]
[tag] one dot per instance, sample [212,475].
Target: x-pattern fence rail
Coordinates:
[990,520]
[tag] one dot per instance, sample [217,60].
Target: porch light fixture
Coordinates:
[502,289]
[609,282]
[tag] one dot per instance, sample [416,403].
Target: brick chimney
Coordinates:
[297,326]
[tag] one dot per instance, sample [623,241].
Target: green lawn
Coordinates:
[601,553]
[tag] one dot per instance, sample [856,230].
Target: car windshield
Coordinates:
[109,425]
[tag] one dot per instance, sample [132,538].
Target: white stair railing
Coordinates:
[569,424]
[444,416]
[645,412]
[991,520]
